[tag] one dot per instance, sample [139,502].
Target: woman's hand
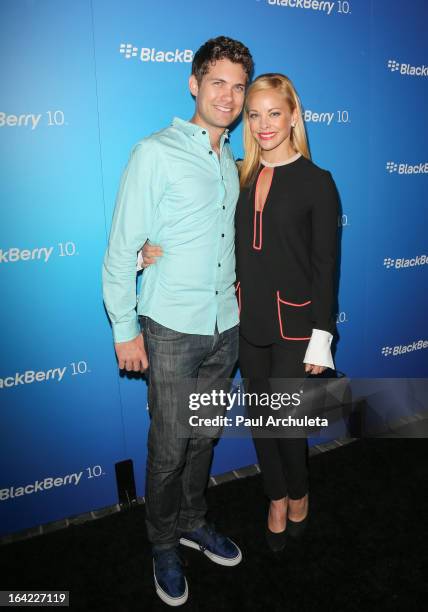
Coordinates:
[149,254]
[310,368]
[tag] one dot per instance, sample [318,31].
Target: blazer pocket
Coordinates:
[294,319]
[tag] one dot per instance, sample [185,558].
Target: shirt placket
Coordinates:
[221,228]
[221,204]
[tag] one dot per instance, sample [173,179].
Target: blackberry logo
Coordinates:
[391,167]
[14,254]
[407,69]
[314,5]
[393,65]
[401,349]
[128,50]
[24,120]
[404,168]
[150,54]
[30,376]
[40,486]
[403,262]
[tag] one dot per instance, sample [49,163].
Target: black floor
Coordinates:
[365,548]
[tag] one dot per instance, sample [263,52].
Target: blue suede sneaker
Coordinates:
[170,583]
[215,546]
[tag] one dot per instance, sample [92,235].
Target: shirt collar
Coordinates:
[195,130]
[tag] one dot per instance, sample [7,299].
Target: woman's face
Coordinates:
[270,120]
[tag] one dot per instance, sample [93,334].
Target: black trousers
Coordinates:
[283,461]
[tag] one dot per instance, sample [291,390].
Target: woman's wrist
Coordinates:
[318,351]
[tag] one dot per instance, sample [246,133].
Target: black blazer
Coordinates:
[286,255]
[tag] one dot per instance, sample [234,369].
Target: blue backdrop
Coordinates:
[82,81]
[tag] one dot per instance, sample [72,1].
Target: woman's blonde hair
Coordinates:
[252,150]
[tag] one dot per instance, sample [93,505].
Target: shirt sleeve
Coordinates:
[141,189]
[324,252]
[318,351]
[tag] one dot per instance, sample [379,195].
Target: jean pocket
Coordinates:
[294,319]
[156,330]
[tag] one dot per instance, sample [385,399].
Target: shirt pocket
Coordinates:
[294,319]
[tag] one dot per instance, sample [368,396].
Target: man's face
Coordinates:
[220,94]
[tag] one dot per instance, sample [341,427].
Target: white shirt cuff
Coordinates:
[318,351]
[140,263]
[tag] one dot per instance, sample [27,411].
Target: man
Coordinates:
[180,190]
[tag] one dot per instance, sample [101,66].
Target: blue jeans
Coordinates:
[178,466]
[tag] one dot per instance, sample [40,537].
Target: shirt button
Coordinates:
[219,265]
[222,235]
[224,207]
[203,132]
[216,292]
[210,152]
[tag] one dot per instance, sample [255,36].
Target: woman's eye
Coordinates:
[275,114]
[251,116]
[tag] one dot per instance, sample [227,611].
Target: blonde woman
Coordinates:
[286,232]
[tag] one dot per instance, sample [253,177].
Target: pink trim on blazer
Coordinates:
[280,301]
[258,214]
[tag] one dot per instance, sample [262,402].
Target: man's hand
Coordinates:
[132,355]
[150,253]
[314,369]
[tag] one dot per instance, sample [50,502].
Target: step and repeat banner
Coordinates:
[82,82]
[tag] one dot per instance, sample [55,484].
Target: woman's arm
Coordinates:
[325,212]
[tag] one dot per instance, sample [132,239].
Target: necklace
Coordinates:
[281,163]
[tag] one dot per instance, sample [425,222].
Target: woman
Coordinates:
[286,231]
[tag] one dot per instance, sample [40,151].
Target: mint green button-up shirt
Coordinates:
[176,192]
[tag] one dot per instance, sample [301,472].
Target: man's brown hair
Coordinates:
[220,48]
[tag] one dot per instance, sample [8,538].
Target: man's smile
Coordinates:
[223,109]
